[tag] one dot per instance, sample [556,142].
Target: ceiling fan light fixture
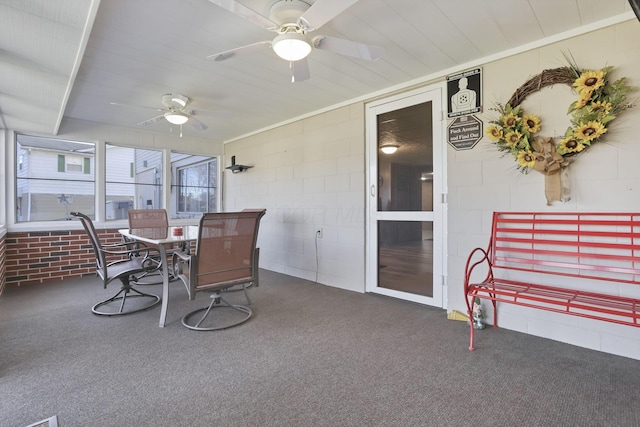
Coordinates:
[176,117]
[291,46]
[389,148]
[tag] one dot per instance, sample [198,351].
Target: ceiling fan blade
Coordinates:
[152,120]
[239,50]
[196,123]
[323,11]
[246,13]
[117,104]
[349,48]
[299,70]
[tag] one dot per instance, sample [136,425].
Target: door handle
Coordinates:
[373,191]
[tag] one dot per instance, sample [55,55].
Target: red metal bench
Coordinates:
[583,264]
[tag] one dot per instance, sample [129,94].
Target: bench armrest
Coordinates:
[477,257]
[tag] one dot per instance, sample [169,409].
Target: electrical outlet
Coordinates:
[319,232]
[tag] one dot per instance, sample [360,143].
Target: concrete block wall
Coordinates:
[307,174]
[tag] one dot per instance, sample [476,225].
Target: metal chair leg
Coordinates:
[122,296]
[217,302]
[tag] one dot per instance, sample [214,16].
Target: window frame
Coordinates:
[143,140]
[130,174]
[63,164]
[41,181]
[179,186]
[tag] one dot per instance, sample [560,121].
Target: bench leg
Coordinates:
[468,299]
[495,314]
[471,331]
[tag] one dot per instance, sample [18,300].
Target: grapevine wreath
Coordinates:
[599,102]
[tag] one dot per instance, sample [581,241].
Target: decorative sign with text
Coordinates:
[464,132]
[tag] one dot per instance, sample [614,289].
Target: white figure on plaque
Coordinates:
[464,99]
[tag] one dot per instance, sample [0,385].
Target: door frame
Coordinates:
[435,94]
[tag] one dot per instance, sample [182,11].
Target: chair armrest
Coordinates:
[184,256]
[146,252]
[134,244]
[179,260]
[126,243]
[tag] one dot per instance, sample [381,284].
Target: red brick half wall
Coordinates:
[42,256]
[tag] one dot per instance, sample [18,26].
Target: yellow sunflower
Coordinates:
[590,131]
[531,123]
[510,120]
[603,108]
[526,159]
[494,133]
[589,81]
[512,138]
[570,145]
[584,99]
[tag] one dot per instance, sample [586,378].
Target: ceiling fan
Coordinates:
[175,112]
[293,20]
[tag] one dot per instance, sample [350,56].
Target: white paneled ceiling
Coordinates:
[75,58]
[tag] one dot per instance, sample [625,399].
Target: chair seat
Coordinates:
[121,267]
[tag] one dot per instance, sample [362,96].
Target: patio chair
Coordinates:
[150,218]
[225,256]
[120,261]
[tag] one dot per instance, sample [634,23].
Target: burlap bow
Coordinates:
[554,167]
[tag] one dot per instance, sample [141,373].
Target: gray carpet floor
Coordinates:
[311,356]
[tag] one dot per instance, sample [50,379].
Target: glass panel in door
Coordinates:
[405,256]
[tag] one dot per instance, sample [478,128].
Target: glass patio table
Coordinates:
[161,237]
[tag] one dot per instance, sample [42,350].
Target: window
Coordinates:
[53,178]
[71,163]
[195,188]
[133,180]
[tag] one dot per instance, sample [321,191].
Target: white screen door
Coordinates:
[405,181]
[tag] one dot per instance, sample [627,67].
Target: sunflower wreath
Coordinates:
[599,102]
